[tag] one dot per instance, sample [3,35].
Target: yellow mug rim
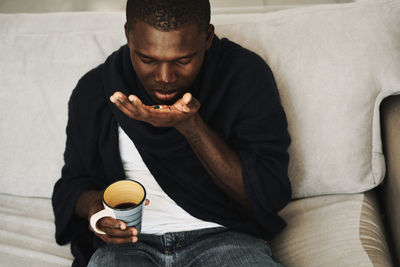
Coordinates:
[125,180]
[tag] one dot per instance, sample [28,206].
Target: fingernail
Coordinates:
[134,239]
[123,226]
[134,232]
[112,99]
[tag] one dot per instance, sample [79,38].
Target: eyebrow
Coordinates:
[179,58]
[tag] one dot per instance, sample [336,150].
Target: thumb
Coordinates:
[183,103]
[187,98]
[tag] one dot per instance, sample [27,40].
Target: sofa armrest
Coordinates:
[390,193]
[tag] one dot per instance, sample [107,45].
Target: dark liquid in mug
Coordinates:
[125,205]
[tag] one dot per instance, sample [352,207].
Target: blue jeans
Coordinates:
[207,247]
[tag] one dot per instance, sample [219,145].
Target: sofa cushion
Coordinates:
[344,229]
[336,230]
[27,234]
[333,65]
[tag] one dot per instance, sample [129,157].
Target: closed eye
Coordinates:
[147,60]
[184,61]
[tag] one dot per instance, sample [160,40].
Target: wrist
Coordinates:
[88,203]
[190,127]
[94,208]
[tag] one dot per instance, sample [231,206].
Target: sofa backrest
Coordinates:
[333,65]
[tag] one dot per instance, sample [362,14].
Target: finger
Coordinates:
[112,223]
[116,228]
[118,240]
[124,105]
[187,98]
[118,236]
[194,104]
[141,109]
[117,96]
[129,238]
[126,111]
[117,233]
[130,231]
[123,100]
[183,104]
[133,230]
[135,100]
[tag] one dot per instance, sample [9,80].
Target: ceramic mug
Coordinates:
[123,200]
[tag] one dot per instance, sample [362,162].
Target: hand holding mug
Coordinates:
[120,220]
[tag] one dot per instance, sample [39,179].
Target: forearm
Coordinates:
[88,203]
[221,162]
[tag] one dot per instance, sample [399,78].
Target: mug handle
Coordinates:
[97,216]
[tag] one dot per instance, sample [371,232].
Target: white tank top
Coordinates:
[162,215]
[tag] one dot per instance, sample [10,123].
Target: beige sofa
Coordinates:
[338,72]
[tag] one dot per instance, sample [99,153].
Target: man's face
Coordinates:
[167,63]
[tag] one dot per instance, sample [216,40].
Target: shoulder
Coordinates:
[88,98]
[240,57]
[246,73]
[241,65]
[88,87]
[242,80]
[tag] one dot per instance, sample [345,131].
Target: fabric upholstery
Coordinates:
[27,234]
[340,230]
[336,230]
[372,234]
[333,64]
[43,56]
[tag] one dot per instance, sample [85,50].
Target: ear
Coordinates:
[210,36]
[126,32]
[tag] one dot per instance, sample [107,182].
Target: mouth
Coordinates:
[166,96]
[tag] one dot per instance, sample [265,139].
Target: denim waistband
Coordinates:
[175,240]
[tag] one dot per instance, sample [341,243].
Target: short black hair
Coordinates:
[168,15]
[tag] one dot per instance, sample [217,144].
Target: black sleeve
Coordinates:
[75,179]
[261,139]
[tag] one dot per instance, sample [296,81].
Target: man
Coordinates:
[199,122]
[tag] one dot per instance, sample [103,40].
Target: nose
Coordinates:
[165,73]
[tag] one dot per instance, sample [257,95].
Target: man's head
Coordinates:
[169,15]
[167,41]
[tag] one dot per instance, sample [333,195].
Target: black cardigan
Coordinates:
[239,101]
